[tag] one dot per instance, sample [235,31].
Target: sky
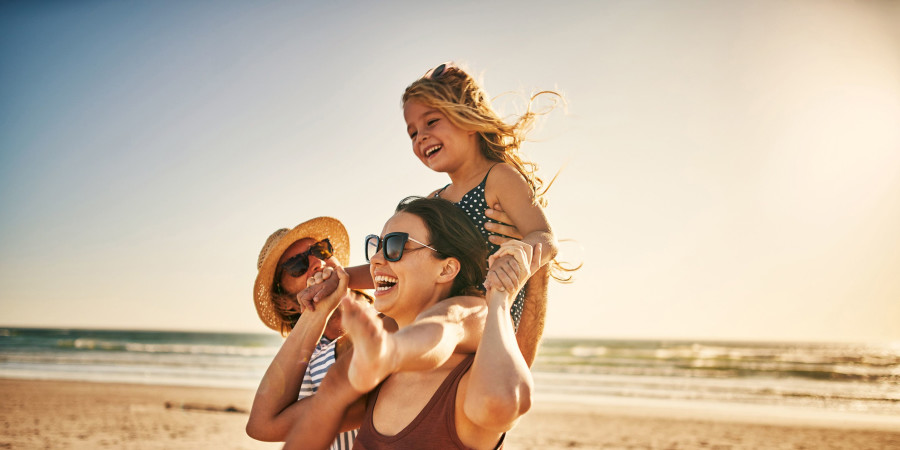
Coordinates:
[730,170]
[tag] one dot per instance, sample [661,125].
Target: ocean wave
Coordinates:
[738,360]
[880,398]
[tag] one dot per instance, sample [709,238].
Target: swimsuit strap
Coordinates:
[438,193]
[488,173]
[483,181]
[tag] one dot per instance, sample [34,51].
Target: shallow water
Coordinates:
[834,378]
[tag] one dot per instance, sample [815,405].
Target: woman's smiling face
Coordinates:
[293,285]
[406,287]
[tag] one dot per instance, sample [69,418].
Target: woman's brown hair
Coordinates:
[453,234]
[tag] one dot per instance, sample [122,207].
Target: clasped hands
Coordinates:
[324,288]
[511,266]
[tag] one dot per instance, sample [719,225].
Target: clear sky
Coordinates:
[733,167]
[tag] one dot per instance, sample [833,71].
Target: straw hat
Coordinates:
[318,229]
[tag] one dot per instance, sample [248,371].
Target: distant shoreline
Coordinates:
[674,340]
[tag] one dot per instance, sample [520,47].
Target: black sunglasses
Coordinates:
[392,245]
[298,264]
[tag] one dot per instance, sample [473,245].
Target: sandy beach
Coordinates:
[62,414]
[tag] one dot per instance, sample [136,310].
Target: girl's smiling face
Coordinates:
[407,287]
[438,143]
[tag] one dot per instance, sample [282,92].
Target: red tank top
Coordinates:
[434,427]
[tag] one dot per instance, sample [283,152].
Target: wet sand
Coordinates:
[63,414]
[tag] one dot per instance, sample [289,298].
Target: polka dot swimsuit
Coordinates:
[474,204]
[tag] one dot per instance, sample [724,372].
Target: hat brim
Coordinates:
[318,229]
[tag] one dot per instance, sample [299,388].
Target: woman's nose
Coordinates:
[377,258]
[315,264]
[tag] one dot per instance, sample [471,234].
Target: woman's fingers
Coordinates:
[305,299]
[512,265]
[342,275]
[519,250]
[318,286]
[506,228]
[503,229]
[322,286]
[320,277]
[497,240]
[505,272]
[536,254]
[333,299]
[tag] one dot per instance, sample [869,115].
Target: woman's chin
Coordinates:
[383,299]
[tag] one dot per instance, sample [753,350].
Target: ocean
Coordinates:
[862,381]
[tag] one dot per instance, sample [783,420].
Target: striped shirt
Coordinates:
[319,363]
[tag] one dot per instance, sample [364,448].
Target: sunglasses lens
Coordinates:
[322,249]
[372,244]
[297,268]
[393,247]
[438,71]
[299,263]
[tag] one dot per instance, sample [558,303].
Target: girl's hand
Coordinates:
[512,265]
[506,229]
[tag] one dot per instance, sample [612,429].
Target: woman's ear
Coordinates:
[449,270]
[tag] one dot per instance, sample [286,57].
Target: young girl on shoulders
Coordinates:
[455,130]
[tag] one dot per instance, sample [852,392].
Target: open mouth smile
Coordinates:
[384,283]
[432,150]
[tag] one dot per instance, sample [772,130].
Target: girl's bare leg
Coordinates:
[374,350]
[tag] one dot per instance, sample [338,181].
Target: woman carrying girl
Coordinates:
[428,254]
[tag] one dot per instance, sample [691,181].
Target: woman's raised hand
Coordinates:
[512,265]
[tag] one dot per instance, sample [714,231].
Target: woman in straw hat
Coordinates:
[287,261]
[304,251]
[428,254]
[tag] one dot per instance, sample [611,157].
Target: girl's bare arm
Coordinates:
[509,188]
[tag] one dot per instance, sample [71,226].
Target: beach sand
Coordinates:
[62,414]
